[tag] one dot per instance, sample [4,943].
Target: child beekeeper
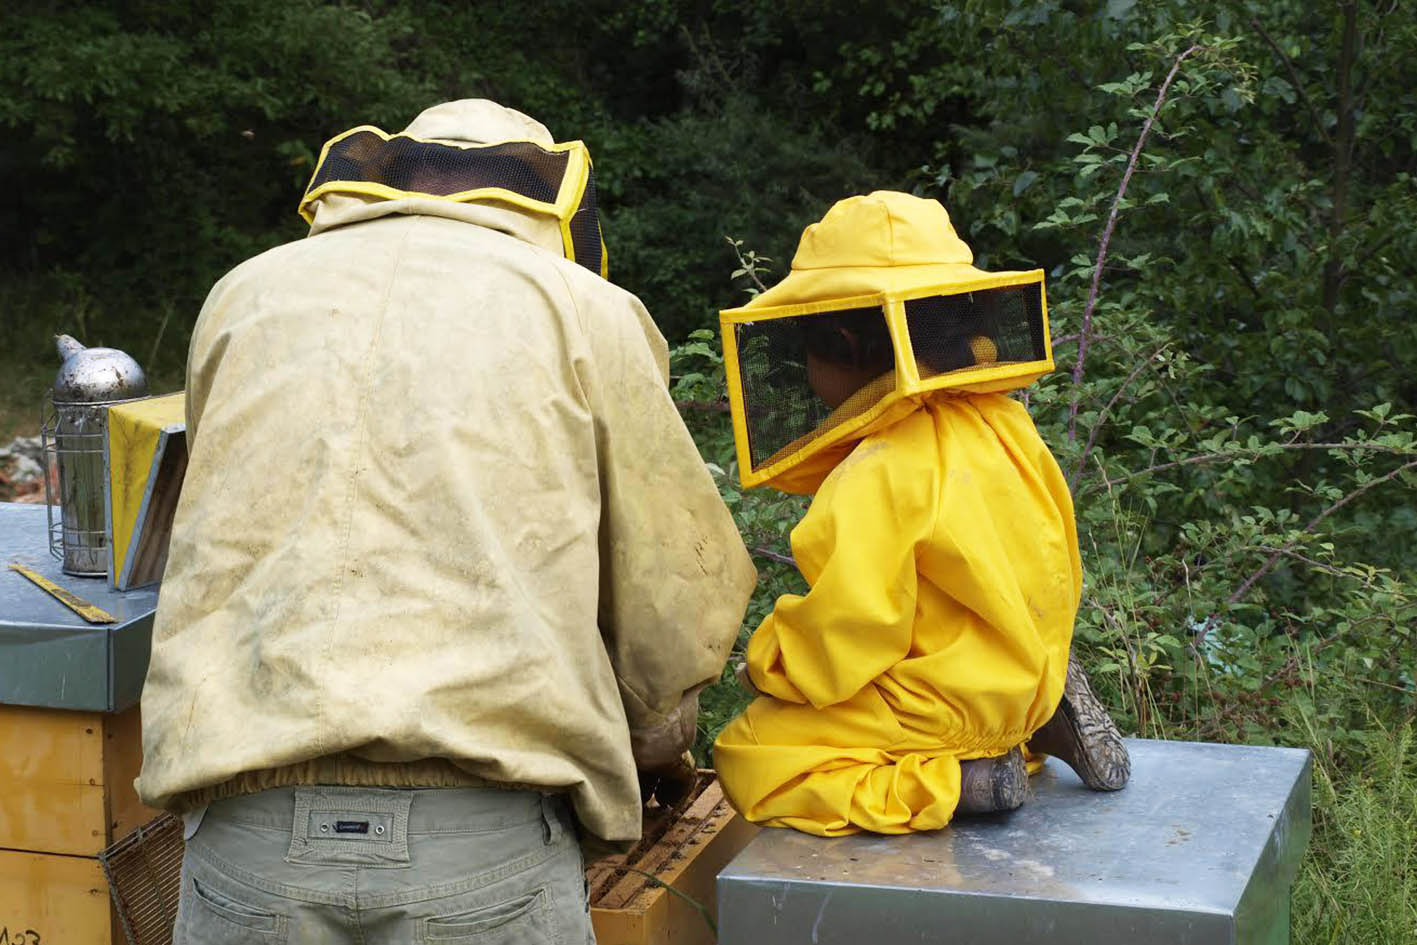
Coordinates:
[940,547]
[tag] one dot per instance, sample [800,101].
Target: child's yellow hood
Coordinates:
[886,241]
[898,254]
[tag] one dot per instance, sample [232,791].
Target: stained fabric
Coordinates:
[941,557]
[441,524]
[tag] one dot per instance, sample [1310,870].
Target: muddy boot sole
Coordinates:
[1083,735]
[993,785]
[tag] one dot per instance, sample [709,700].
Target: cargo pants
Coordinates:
[326,865]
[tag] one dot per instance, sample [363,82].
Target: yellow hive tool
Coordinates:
[90,612]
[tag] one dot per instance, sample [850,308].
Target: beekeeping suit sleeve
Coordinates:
[675,577]
[856,547]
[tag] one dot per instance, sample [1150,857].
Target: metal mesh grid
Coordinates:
[144,872]
[441,170]
[72,436]
[781,411]
[585,228]
[989,326]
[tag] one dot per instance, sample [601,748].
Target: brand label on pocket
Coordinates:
[351,826]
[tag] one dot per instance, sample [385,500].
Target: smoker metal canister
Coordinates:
[88,382]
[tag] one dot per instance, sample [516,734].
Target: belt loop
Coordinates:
[550,820]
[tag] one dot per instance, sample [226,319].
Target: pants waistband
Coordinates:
[427,810]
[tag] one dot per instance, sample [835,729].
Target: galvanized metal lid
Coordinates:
[95,375]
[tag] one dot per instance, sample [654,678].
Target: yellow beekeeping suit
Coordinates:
[944,575]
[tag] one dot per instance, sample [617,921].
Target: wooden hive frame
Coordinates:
[662,891]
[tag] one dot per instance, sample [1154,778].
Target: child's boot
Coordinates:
[992,785]
[1083,735]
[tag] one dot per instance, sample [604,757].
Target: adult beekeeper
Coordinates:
[940,547]
[447,568]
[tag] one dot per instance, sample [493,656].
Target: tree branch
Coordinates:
[750,269]
[1270,561]
[1097,427]
[1370,252]
[707,406]
[1073,339]
[771,555]
[1246,454]
[1289,552]
[1244,277]
[1293,79]
[1343,148]
[1107,236]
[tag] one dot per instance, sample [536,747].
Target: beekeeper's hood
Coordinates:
[471,160]
[884,285]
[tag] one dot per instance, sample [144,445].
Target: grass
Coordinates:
[1358,883]
[22,387]
[56,303]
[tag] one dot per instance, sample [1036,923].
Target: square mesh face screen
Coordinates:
[428,167]
[976,329]
[441,170]
[781,411]
[585,228]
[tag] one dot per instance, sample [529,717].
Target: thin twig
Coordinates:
[1107,237]
[771,555]
[1248,453]
[1371,251]
[1097,427]
[161,330]
[1291,662]
[710,406]
[1073,339]
[1293,78]
[748,268]
[1288,552]
[1265,568]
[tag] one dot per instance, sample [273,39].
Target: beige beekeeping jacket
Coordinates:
[439,506]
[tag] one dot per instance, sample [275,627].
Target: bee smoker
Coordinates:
[74,431]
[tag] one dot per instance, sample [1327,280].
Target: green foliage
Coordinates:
[1359,882]
[162,144]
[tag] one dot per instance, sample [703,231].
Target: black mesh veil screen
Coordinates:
[585,228]
[987,326]
[782,413]
[440,170]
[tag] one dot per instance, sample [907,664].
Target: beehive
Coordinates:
[653,895]
[68,791]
